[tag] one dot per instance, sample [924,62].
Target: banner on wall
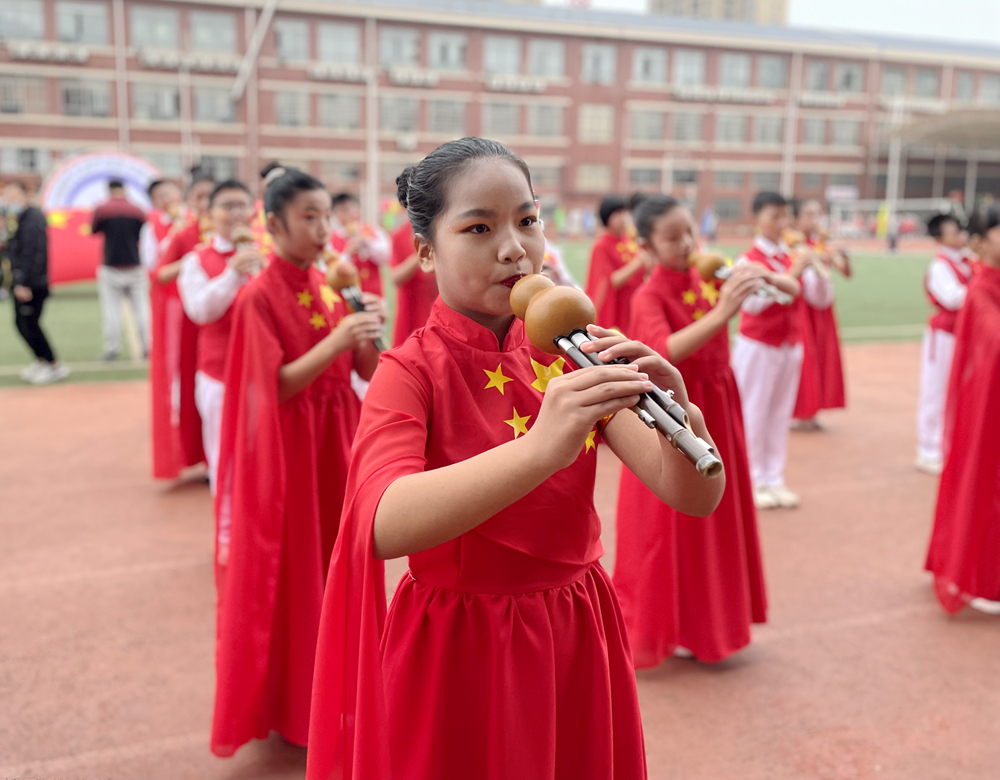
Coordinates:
[68,197]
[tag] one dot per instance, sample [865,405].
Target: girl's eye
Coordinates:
[529,221]
[479,229]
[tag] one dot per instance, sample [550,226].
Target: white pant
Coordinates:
[768,379]
[935,369]
[208,396]
[115,284]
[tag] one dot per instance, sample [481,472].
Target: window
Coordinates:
[730,180]
[291,109]
[811,181]
[766,181]
[689,68]
[154,28]
[545,120]
[399,114]
[818,76]
[169,163]
[291,39]
[593,178]
[649,66]
[398,47]
[772,72]
[729,208]
[647,125]
[687,127]
[927,83]
[23,95]
[734,70]
[846,132]
[86,98]
[502,55]
[22,20]
[339,43]
[332,172]
[340,112]
[843,180]
[155,101]
[685,176]
[82,23]
[989,89]
[731,128]
[644,177]
[213,104]
[446,116]
[893,81]
[596,123]
[547,59]
[849,77]
[24,160]
[501,119]
[598,64]
[965,86]
[212,32]
[447,50]
[547,176]
[768,129]
[814,132]
[219,166]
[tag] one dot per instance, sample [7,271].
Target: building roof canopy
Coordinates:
[969,128]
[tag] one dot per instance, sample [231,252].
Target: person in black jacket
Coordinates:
[29,262]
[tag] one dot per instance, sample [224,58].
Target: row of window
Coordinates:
[733,129]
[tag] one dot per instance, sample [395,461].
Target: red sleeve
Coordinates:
[348,732]
[602,265]
[649,323]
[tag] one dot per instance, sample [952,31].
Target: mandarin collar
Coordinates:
[220,245]
[669,277]
[955,255]
[288,269]
[471,333]
[770,248]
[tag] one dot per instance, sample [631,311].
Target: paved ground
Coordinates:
[106,599]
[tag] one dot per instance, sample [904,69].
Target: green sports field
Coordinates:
[883,301]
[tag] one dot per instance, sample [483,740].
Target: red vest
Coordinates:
[160,228]
[945,319]
[213,338]
[777,324]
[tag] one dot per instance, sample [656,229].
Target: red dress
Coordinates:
[188,419]
[415,298]
[609,254]
[822,383]
[690,581]
[964,552]
[369,272]
[284,465]
[504,653]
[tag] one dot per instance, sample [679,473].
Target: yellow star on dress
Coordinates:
[689,297]
[497,379]
[698,314]
[518,423]
[305,298]
[545,374]
[709,292]
[591,444]
[328,295]
[317,320]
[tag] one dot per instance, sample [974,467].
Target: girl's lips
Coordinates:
[510,281]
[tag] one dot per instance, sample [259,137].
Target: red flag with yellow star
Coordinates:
[74,254]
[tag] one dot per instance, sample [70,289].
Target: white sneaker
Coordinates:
[985,605]
[682,652]
[59,371]
[785,497]
[49,373]
[764,498]
[812,424]
[929,466]
[33,369]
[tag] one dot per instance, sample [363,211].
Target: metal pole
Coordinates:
[667,174]
[121,75]
[184,87]
[791,126]
[895,153]
[373,169]
[971,175]
[253,133]
[253,48]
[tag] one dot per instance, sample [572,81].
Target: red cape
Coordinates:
[610,253]
[964,552]
[822,382]
[415,298]
[690,581]
[284,467]
[504,653]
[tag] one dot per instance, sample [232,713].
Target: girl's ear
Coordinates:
[274,224]
[425,253]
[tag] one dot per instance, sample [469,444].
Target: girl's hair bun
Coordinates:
[403,187]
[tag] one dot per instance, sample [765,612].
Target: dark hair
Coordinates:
[798,204]
[935,225]
[635,199]
[268,168]
[228,184]
[421,188]
[343,197]
[198,175]
[282,189]
[116,184]
[651,209]
[764,199]
[983,220]
[154,184]
[609,206]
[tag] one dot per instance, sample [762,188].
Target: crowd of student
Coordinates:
[507,650]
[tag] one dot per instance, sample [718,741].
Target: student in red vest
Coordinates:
[504,654]
[367,246]
[210,279]
[964,552]
[289,420]
[946,283]
[687,585]
[416,290]
[767,355]
[822,382]
[616,265]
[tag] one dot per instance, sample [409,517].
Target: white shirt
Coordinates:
[942,282]
[207,299]
[816,289]
[149,248]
